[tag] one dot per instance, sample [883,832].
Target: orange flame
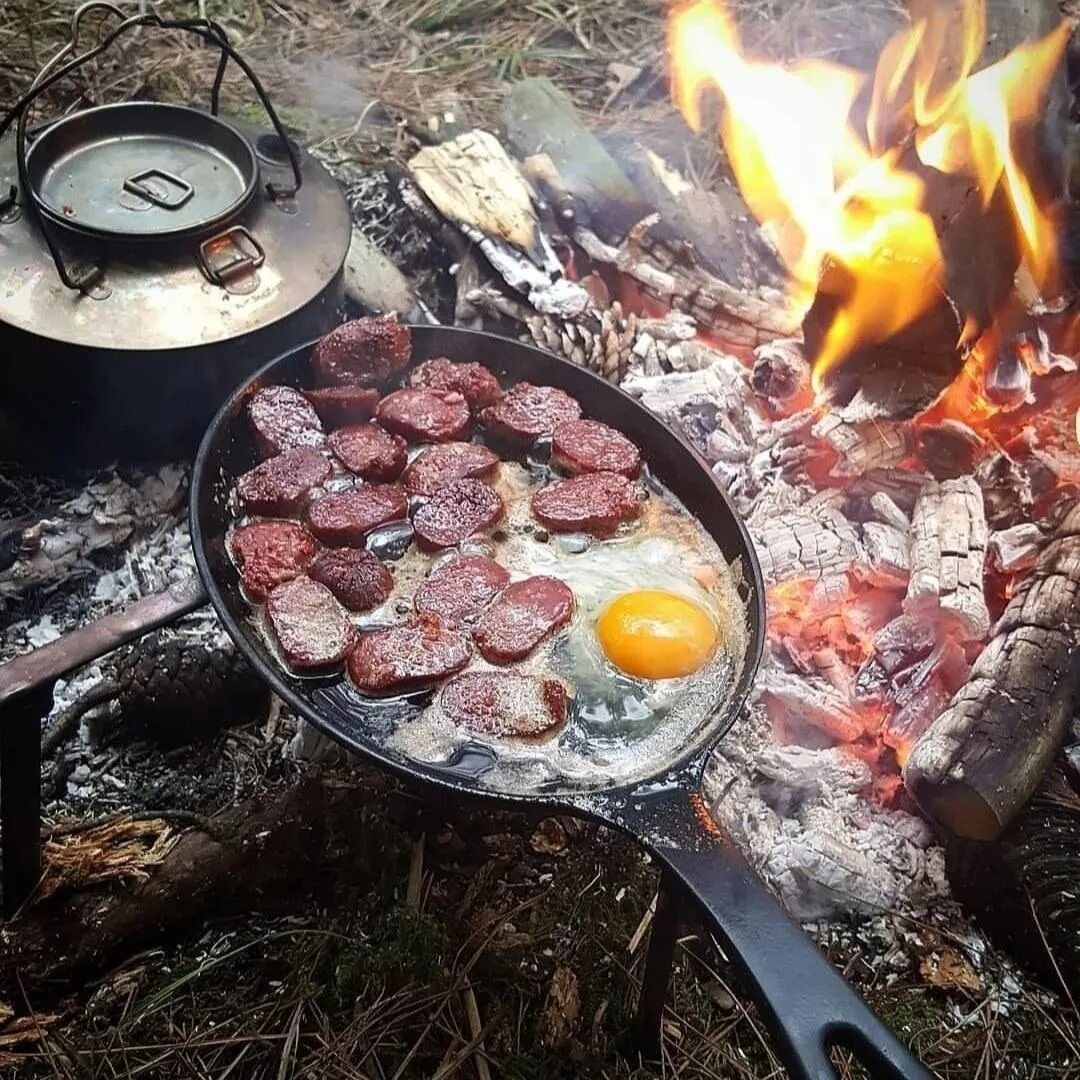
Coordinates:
[833,197]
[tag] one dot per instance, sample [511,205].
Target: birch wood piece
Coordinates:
[948,556]
[984,756]
[472,182]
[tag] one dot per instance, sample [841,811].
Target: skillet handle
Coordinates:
[808,1006]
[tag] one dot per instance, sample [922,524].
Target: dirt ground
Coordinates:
[496,945]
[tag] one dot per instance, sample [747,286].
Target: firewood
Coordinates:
[1022,887]
[949,550]
[888,551]
[888,512]
[987,752]
[473,182]
[812,702]
[802,544]
[540,118]
[861,447]
[1015,549]
[948,449]
[257,850]
[780,373]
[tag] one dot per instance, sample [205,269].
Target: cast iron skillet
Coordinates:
[807,1005]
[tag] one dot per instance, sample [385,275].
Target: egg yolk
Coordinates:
[656,635]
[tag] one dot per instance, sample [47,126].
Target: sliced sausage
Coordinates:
[367,351]
[411,656]
[369,451]
[475,382]
[440,465]
[504,703]
[425,415]
[461,588]
[524,614]
[283,418]
[356,577]
[587,446]
[456,512]
[344,518]
[341,405]
[279,486]
[310,626]
[594,503]
[270,552]
[527,412]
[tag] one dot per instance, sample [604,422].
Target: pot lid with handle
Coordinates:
[142,171]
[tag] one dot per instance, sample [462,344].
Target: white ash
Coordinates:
[801,818]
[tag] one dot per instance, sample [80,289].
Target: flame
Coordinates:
[848,209]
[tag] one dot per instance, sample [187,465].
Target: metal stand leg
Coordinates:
[20,793]
[658,963]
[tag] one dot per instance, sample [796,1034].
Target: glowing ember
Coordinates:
[847,209]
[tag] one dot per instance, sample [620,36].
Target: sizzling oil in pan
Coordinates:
[619,728]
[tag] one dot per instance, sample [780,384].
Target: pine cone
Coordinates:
[172,692]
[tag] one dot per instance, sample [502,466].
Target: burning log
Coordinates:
[780,374]
[984,756]
[948,556]
[806,544]
[948,449]
[861,447]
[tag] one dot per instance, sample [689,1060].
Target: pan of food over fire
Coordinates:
[485,569]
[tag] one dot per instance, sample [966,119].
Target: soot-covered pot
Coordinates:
[150,256]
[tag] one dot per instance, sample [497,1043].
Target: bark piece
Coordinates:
[948,555]
[987,752]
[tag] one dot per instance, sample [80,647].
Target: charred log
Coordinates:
[986,753]
[1022,886]
[948,556]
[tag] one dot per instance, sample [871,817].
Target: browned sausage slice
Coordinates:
[279,486]
[341,405]
[356,577]
[440,465]
[270,552]
[595,503]
[504,703]
[421,415]
[367,351]
[474,381]
[461,588]
[524,614]
[283,418]
[310,626]
[527,412]
[416,654]
[456,512]
[369,451]
[587,446]
[344,518]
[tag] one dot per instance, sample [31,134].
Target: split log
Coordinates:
[472,182]
[860,447]
[1022,887]
[985,755]
[947,562]
[255,853]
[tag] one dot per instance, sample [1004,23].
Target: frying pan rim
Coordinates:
[414,771]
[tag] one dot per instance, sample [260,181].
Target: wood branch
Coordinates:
[985,755]
[861,447]
[948,556]
[473,182]
[539,118]
[258,849]
[888,512]
[903,486]
[375,283]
